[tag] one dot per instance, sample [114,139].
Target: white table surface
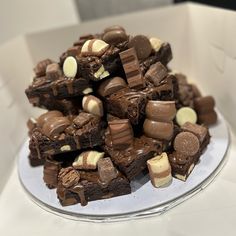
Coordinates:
[211,212]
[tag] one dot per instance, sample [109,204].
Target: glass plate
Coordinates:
[145,200]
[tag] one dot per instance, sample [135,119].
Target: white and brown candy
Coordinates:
[94,47]
[121,133]
[159,170]
[87,160]
[93,105]
[159,124]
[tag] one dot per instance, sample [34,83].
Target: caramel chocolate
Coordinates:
[156,73]
[158,130]
[106,170]
[186,143]
[55,125]
[69,177]
[45,117]
[142,46]
[159,170]
[131,67]
[121,133]
[110,86]
[161,110]
[82,119]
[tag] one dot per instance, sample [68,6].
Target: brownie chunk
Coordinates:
[82,186]
[64,134]
[132,160]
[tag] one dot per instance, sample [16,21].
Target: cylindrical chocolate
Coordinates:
[161,110]
[158,130]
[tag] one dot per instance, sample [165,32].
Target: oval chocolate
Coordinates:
[186,143]
[114,27]
[115,37]
[158,130]
[55,126]
[161,110]
[47,116]
[142,46]
[204,104]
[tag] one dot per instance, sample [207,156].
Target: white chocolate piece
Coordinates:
[101,73]
[85,47]
[156,43]
[186,114]
[87,91]
[93,105]
[99,46]
[65,148]
[70,67]
[87,160]
[159,170]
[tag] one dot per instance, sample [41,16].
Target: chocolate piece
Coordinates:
[196,91]
[94,47]
[132,160]
[92,105]
[205,110]
[45,117]
[186,114]
[156,43]
[59,88]
[106,170]
[40,69]
[110,86]
[160,110]
[87,160]
[131,67]
[159,170]
[53,71]
[114,27]
[186,143]
[70,67]
[55,125]
[156,73]
[72,138]
[73,51]
[82,119]
[90,188]
[198,130]
[121,133]
[114,36]
[50,172]
[142,46]
[31,124]
[127,104]
[69,177]
[158,130]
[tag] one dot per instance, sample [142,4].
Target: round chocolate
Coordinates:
[158,130]
[204,104]
[186,143]
[142,46]
[115,37]
[208,118]
[55,126]
[161,110]
[114,27]
[110,86]
[186,114]
[44,118]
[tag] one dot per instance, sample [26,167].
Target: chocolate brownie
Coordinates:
[82,186]
[66,133]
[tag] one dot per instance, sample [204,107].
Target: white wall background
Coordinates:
[21,16]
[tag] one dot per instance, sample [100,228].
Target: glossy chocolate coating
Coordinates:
[158,130]
[44,118]
[204,104]
[160,110]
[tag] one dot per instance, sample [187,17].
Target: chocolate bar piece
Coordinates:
[184,158]
[60,88]
[132,160]
[83,186]
[63,134]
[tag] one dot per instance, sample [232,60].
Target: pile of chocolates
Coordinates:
[115,110]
